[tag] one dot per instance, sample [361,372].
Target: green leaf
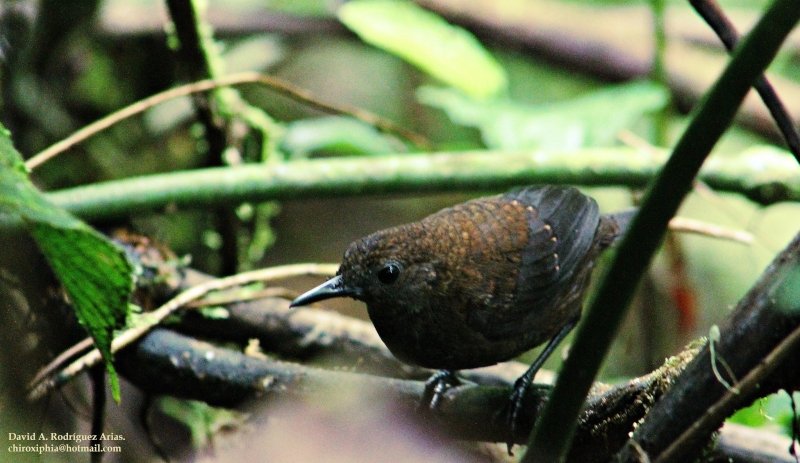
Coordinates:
[587,121]
[427,41]
[334,134]
[202,420]
[215,312]
[94,272]
[773,411]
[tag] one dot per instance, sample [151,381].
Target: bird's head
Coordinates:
[399,279]
[383,271]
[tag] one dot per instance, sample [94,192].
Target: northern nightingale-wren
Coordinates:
[480,282]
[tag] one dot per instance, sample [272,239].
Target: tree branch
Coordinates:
[723,27]
[756,339]
[165,362]
[47,381]
[553,432]
[615,42]
[777,179]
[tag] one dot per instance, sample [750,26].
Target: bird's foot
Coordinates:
[435,387]
[513,409]
[514,406]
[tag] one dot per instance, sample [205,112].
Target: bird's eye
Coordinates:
[390,272]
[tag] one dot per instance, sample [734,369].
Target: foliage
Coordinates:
[539,121]
[773,411]
[95,273]
[447,52]
[202,420]
[589,120]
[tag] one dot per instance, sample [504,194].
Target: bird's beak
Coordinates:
[330,289]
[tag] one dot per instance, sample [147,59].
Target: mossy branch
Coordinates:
[551,438]
[778,178]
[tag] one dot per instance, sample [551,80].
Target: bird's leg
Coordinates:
[435,387]
[522,383]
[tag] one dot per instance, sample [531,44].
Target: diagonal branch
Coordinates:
[723,27]
[551,437]
[274,83]
[723,408]
[165,362]
[760,340]
[44,383]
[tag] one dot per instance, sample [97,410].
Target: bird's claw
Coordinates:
[435,387]
[513,408]
[514,405]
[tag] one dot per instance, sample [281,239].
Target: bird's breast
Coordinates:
[476,249]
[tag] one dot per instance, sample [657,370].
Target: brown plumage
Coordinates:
[480,282]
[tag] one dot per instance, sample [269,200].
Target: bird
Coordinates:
[480,282]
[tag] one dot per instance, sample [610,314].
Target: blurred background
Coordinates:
[580,73]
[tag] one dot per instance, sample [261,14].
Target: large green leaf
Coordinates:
[422,38]
[591,120]
[94,272]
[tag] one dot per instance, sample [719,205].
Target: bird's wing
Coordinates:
[561,229]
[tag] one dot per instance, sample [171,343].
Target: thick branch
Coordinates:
[760,322]
[552,434]
[169,363]
[166,362]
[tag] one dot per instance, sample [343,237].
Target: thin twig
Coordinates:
[60,360]
[276,84]
[283,293]
[154,318]
[554,429]
[640,453]
[722,26]
[87,343]
[687,225]
[717,412]
[633,140]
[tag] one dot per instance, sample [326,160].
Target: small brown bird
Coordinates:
[480,282]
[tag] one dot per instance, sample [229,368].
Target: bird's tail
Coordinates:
[622,220]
